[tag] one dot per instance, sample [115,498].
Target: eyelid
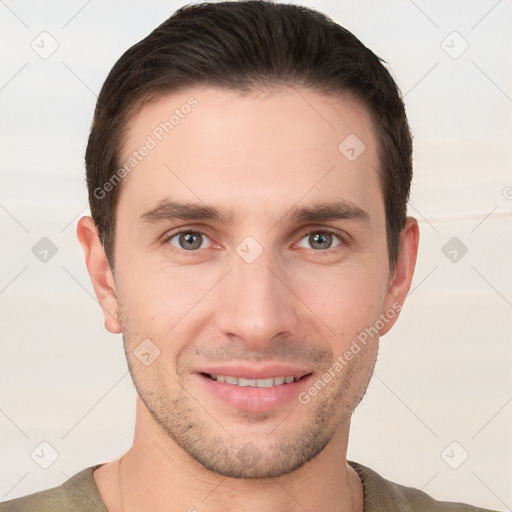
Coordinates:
[343,237]
[184,229]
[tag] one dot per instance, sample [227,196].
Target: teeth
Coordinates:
[255,383]
[265,383]
[246,382]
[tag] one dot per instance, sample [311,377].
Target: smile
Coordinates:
[255,383]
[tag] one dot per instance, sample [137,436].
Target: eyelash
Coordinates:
[342,239]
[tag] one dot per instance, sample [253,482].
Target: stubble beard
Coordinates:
[188,422]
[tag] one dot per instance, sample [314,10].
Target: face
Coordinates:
[250,254]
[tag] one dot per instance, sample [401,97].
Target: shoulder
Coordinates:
[79,494]
[383,495]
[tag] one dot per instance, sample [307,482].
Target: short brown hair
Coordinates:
[244,45]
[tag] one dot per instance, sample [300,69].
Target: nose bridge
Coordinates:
[255,304]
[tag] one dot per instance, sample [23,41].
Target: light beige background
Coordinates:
[444,371]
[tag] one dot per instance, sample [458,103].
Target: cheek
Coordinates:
[347,298]
[164,301]
[159,301]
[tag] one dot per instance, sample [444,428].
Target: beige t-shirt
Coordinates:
[80,494]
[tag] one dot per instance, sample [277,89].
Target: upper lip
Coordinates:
[261,371]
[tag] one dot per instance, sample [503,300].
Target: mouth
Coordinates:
[255,383]
[254,390]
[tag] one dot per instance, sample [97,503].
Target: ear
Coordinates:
[100,272]
[400,281]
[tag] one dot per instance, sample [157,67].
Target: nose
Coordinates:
[256,302]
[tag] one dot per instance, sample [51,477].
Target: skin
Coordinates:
[300,302]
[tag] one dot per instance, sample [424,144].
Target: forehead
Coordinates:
[268,148]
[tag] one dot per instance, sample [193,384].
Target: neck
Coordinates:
[155,472]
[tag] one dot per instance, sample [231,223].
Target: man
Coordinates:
[248,167]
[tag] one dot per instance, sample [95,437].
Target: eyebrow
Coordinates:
[318,212]
[170,210]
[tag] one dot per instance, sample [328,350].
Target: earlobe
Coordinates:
[401,280]
[99,272]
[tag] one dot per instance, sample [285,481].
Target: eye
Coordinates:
[188,240]
[321,240]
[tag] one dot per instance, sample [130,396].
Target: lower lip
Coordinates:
[252,399]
